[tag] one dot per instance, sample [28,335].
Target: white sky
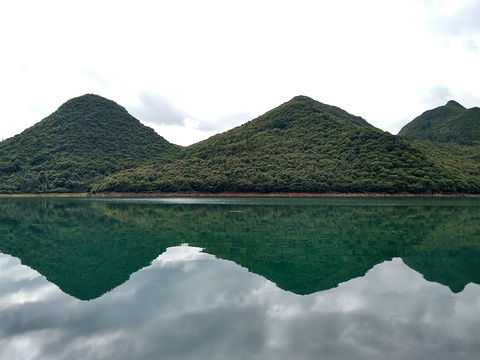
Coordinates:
[190,69]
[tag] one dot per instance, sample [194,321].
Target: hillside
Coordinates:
[300,146]
[86,139]
[448,123]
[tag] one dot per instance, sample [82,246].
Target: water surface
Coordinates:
[240,278]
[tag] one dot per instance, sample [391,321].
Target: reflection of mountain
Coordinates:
[88,247]
[74,245]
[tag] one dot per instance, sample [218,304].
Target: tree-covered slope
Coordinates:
[448,123]
[300,146]
[463,160]
[86,139]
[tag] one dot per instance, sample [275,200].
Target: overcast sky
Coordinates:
[190,69]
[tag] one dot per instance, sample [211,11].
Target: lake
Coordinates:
[240,278]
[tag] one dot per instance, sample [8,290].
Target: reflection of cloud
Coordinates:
[396,315]
[20,284]
[12,269]
[176,254]
[222,311]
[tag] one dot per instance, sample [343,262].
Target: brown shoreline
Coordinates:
[62,195]
[197,194]
[299,195]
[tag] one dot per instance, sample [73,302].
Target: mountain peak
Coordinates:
[451,122]
[304,103]
[302,98]
[89,98]
[85,104]
[85,139]
[453,103]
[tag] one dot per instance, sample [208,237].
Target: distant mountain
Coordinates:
[86,139]
[448,123]
[300,146]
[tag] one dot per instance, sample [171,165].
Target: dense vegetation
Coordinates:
[92,144]
[301,146]
[86,139]
[448,123]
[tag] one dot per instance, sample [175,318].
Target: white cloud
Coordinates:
[459,18]
[158,110]
[208,60]
[438,95]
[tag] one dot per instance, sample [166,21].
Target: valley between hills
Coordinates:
[91,145]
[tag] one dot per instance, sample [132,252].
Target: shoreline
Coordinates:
[297,195]
[198,194]
[38,195]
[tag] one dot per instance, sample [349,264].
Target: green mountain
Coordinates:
[86,139]
[448,123]
[300,146]
[93,144]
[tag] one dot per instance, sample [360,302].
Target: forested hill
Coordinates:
[86,139]
[300,146]
[93,144]
[448,123]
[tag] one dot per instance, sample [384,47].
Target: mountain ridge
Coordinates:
[451,122]
[301,146]
[92,144]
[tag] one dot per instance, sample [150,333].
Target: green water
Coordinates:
[240,278]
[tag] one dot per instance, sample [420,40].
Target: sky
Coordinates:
[191,69]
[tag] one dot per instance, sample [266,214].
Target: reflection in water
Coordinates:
[355,273]
[88,247]
[190,305]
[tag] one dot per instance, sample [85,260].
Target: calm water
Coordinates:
[240,278]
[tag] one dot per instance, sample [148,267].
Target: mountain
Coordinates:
[448,123]
[300,146]
[91,144]
[87,138]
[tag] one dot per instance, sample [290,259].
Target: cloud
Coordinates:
[468,99]
[169,120]
[465,21]
[362,60]
[437,95]
[440,94]
[460,22]
[225,122]
[96,77]
[157,110]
